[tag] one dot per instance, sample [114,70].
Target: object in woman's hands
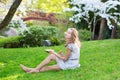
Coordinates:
[48,50]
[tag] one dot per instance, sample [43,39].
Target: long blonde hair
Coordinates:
[74,37]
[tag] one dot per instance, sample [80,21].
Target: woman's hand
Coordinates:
[61,53]
[50,51]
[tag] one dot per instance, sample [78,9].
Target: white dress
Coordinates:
[73,60]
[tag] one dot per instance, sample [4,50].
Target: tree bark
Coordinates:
[10,13]
[93,33]
[91,37]
[102,25]
[113,33]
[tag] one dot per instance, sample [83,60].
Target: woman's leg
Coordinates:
[46,68]
[43,63]
[46,61]
[25,68]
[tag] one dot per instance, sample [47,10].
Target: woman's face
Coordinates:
[68,34]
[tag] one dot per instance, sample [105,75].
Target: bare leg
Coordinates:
[46,68]
[25,68]
[46,61]
[43,63]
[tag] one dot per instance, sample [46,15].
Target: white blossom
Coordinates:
[101,9]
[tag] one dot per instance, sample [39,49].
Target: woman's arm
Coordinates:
[63,57]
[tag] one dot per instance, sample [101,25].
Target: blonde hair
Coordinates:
[74,37]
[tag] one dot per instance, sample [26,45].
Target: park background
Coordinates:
[28,27]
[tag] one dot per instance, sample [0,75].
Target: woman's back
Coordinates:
[75,51]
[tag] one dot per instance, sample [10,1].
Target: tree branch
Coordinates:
[10,13]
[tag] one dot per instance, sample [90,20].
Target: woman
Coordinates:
[70,60]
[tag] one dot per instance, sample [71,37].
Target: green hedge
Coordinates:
[55,41]
[10,42]
[37,34]
[33,38]
[84,35]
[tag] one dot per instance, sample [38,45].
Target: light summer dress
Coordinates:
[73,60]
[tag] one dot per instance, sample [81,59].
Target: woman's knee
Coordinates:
[52,56]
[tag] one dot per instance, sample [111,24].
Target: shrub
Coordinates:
[84,35]
[29,23]
[37,35]
[55,41]
[10,42]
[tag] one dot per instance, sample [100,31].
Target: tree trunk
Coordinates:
[102,25]
[91,37]
[10,13]
[113,33]
[93,32]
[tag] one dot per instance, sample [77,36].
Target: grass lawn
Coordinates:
[100,60]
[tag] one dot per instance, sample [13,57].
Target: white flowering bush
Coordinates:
[19,25]
[83,9]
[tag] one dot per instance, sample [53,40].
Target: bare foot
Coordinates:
[25,68]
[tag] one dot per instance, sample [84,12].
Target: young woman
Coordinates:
[70,60]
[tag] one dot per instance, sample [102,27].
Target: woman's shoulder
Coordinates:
[70,45]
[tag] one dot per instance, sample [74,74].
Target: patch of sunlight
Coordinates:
[2,65]
[12,77]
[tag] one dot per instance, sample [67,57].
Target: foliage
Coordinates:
[14,24]
[91,11]
[29,23]
[99,61]
[84,35]
[51,5]
[4,7]
[37,34]
[34,37]
[10,42]
[62,20]
[55,41]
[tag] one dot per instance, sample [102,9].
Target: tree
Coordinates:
[10,13]
[114,30]
[102,25]
[49,6]
[99,10]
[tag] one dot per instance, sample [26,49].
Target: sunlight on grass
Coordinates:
[2,65]
[12,77]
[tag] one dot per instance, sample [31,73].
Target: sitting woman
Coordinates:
[70,60]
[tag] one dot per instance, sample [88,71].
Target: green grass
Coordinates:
[100,60]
